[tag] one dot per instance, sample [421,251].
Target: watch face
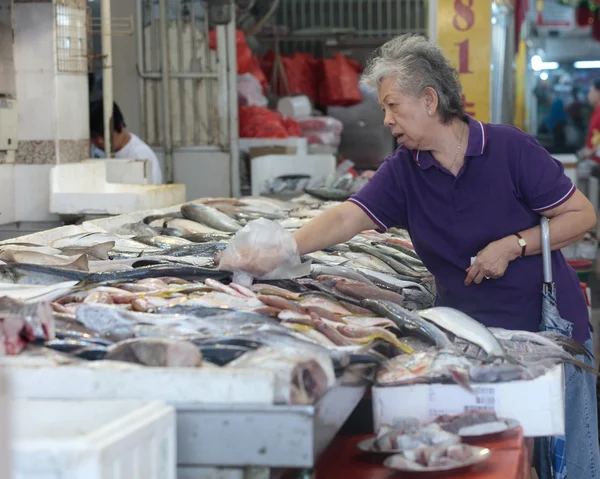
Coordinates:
[522,242]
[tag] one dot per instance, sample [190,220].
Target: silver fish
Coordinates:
[318,270]
[210,217]
[465,327]
[410,323]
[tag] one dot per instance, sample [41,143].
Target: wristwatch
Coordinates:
[522,244]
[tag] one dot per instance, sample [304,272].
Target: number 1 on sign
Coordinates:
[463,57]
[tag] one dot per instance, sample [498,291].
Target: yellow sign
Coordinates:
[464,33]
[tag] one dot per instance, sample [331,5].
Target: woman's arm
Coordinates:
[569,222]
[333,226]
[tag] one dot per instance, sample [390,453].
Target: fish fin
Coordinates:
[8,256]
[80,264]
[461,377]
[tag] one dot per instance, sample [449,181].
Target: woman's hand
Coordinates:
[492,261]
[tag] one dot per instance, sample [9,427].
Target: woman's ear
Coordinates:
[430,97]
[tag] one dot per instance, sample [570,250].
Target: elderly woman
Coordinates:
[470,194]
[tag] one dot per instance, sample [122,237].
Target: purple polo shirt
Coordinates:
[506,181]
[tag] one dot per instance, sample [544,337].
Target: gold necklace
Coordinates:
[457,149]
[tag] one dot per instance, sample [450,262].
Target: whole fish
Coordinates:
[92,239]
[363,260]
[274,291]
[168,232]
[392,281]
[288,284]
[409,323]
[368,335]
[32,257]
[546,338]
[318,270]
[38,274]
[397,266]
[206,237]
[363,291]
[99,251]
[402,257]
[29,247]
[425,367]
[68,345]
[136,229]
[187,227]
[206,250]
[165,217]
[156,352]
[400,247]
[323,300]
[328,288]
[210,217]
[164,242]
[180,271]
[335,194]
[467,328]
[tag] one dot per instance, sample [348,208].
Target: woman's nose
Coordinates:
[388,120]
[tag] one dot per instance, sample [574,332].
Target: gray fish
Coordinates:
[156,352]
[38,274]
[543,338]
[94,338]
[138,229]
[67,345]
[318,270]
[400,268]
[210,217]
[328,287]
[168,232]
[400,256]
[165,242]
[191,273]
[206,250]
[207,237]
[167,216]
[329,194]
[410,323]
[91,353]
[467,328]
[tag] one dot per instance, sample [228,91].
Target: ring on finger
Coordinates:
[487,277]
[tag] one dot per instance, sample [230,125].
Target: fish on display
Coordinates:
[210,217]
[32,257]
[207,237]
[97,252]
[156,352]
[410,323]
[335,194]
[136,229]
[38,274]
[164,242]
[463,326]
[189,227]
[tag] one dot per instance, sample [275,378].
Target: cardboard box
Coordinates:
[539,404]
[271,150]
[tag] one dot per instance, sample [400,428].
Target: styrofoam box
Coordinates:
[92,440]
[539,404]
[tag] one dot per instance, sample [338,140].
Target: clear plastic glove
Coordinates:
[263,249]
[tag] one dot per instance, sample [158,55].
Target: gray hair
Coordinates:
[416,63]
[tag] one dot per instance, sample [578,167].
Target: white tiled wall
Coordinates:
[72,108]
[34,70]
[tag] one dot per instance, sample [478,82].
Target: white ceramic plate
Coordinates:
[469,434]
[480,454]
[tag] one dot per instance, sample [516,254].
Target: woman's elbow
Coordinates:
[590,219]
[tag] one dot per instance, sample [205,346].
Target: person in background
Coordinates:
[592,142]
[471,195]
[124,143]
[576,110]
[556,122]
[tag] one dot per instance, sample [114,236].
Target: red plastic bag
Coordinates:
[340,83]
[259,122]
[244,53]
[300,72]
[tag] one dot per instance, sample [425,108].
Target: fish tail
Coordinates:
[461,377]
[581,365]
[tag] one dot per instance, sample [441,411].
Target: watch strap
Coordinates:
[523,244]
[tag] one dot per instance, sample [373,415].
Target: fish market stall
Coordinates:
[262,375]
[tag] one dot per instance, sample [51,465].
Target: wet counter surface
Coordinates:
[511,459]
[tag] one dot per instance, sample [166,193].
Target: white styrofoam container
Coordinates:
[301,144]
[93,440]
[539,404]
[268,167]
[82,188]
